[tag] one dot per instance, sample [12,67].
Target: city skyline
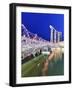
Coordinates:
[55,36]
[38,23]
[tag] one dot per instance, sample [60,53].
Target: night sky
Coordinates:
[38,23]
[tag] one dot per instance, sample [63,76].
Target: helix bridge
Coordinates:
[31,43]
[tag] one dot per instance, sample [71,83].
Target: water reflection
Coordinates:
[54,64]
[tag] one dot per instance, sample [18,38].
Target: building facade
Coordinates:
[55,36]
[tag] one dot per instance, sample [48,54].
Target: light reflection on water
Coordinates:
[54,65]
[45,65]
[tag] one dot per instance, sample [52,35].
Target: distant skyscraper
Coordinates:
[51,35]
[59,36]
[55,36]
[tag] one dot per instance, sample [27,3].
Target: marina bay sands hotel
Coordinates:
[55,36]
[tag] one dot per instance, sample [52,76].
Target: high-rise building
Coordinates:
[51,35]
[55,36]
[59,36]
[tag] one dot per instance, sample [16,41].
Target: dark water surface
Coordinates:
[35,67]
[56,67]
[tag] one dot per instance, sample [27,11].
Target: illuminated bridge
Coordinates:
[32,43]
